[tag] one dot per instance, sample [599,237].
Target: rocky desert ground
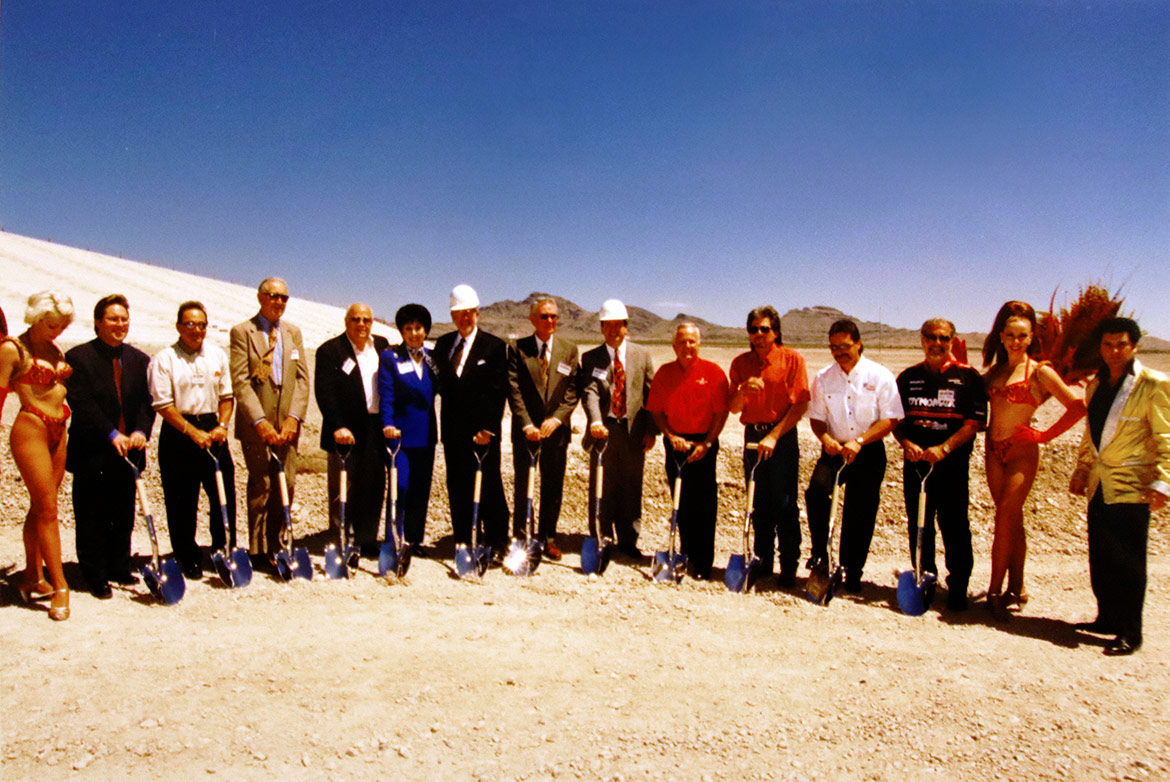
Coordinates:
[563,676]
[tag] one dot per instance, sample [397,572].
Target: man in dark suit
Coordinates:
[542,386]
[346,386]
[615,383]
[112,418]
[473,383]
[270,380]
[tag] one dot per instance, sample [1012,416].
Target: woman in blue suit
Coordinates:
[407,383]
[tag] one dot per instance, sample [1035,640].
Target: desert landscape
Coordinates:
[559,675]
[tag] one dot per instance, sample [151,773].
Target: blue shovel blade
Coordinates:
[302,565]
[387,559]
[464,561]
[910,594]
[679,567]
[661,567]
[334,564]
[172,586]
[353,556]
[284,565]
[590,556]
[483,558]
[735,577]
[241,568]
[222,568]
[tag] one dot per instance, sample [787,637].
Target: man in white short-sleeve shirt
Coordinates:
[855,404]
[191,390]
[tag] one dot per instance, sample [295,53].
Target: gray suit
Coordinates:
[533,398]
[258,399]
[624,456]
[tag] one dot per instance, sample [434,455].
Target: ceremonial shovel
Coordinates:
[473,560]
[524,554]
[671,565]
[337,564]
[290,563]
[232,564]
[826,575]
[914,584]
[741,572]
[394,556]
[596,550]
[164,579]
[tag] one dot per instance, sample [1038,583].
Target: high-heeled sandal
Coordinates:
[997,606]
[39,592]
[1018,599]
[60,613]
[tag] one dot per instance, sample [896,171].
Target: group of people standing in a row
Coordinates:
[372,395]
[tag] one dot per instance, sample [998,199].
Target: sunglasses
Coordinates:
[759,329]
[548,316]
[277,296]
[943,338]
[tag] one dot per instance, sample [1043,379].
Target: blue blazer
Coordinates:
[408,401]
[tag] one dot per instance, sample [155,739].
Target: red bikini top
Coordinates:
[1019,392]
[37,372]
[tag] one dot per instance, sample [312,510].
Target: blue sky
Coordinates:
[892,159]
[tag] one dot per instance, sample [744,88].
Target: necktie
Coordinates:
[457,356]
[118,389]
[544,363]
[617,404]
[264,371]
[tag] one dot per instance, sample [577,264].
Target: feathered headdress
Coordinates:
[1065,336]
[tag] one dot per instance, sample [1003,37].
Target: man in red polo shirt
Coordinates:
[688,399]
[770,390]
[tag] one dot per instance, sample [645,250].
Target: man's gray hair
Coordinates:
[266,280]
[540,301]
[686,324]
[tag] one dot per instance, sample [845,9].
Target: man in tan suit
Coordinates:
[270,381]
[1124,468]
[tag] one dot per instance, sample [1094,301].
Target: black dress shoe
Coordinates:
[814,562]
[193,571]
[125,579]
[371,550]
[1122,646]
[631,551]
[786,579]
[956,601]
[853,586]
[1097,627]
[102,591]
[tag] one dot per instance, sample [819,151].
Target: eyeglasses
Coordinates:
[192,325]
[840,348]
[277,296]
[943,338]
[759,329]
[360,320]
[549,316]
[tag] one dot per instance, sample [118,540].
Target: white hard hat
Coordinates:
[613,309]
[463,297]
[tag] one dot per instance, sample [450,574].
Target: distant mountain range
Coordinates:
[803,327]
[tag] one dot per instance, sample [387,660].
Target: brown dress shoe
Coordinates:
[551,550]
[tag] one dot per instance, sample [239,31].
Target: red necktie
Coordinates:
[617,404]
[118,389]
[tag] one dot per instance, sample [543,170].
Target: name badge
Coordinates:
[346,367]
[295,355]
[601,373]
[198,377]
[405,367]
[563,368]
[946,395]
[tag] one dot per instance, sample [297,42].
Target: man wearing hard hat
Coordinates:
[473,384]
[615,382]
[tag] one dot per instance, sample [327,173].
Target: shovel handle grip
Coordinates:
[280,479]
[479,486]
[219,489]
[751,497]
[140,485]
[344,483]
[677,492]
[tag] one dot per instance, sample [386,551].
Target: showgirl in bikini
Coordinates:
[1017,384]
[33,367]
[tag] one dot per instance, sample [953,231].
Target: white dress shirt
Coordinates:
[367,364]
[850,404]
[193,382]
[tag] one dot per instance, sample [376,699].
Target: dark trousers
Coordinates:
[1118,534]
[864,481]
[777,517]
[185,468]
[103,511]
[551,463]
[493,508]
[698,503]
[366,484]
[621,500]
[416,468]
[947,495]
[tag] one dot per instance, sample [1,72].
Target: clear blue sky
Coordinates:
[892,159]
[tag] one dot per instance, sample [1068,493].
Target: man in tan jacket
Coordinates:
[270,381]
[1124,467]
